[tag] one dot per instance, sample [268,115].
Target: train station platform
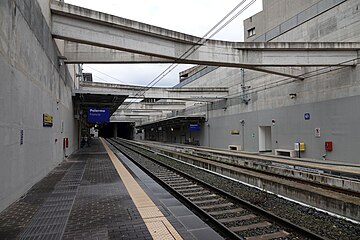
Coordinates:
[98,193]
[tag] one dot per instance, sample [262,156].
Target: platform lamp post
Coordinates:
[243,133]
[171,135]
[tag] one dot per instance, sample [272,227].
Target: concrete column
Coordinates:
[115,130]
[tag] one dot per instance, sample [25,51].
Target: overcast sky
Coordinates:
[194,17]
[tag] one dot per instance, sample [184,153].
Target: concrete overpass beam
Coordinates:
[83,53]
[102,30]
[156,106]
[154,92]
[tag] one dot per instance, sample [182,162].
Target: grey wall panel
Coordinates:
[338,121]
[32,83]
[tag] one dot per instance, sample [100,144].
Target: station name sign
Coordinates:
[194,127]
[98,115]
[47,120]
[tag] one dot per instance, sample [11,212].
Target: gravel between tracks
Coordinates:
[321,223]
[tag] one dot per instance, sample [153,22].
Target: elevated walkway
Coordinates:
[95,37]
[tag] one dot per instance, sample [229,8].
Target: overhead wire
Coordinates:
[96,76]
[105,74]
[289,80]
[195,46]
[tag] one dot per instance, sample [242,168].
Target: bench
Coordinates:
[286,152]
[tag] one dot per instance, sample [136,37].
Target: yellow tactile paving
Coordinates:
[151,212]
[158,226]
[160,229]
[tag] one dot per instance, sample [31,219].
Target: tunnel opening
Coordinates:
[122,130]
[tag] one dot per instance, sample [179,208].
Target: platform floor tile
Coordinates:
[85,198]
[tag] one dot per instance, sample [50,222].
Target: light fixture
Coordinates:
[292,95]
[61,60]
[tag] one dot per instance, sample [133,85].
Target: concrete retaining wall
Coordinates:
[331,97]
[32,84]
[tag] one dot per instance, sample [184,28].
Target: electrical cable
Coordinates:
[105,74]
[284,81]
[96,76]
[194,47]
[291,80]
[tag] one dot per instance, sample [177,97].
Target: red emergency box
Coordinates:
[328,146]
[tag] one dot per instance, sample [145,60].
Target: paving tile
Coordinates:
[84,198]
[192,222]
[180,211]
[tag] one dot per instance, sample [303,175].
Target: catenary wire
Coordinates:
[284,81]
[200,42]
[105,74]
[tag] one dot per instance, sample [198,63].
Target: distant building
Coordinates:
[272,112]
[87,77]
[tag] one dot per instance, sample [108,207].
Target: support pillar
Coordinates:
[115,130]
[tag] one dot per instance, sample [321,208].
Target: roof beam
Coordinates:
[191,94]
[82,53]
[156,106]
[102,30]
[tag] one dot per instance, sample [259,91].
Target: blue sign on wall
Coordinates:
[307,116]
[194,127]
[98,115]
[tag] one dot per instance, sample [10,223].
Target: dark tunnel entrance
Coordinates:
[122,130]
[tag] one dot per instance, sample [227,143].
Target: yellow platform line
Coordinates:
[157,224]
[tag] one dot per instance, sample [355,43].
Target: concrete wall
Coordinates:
[330,96]
[32,83]
[275,12]
[280,16]
[336,119]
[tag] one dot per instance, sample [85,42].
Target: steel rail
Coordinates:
[281,221]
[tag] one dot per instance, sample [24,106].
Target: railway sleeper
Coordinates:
[216,200]
[190,190]
[268,236]
[250,226]
[181,184]
[177,180]
[189,194]
[227,211]
[223,205]
[203,197]
[193,186]
[237,219]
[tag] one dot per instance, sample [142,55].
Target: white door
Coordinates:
[265,138]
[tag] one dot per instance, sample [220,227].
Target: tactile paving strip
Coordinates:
[158,226]
[50,220]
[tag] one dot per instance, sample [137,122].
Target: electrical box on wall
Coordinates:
[296,146]
[328,146]
[299,146]
[302,147]
[66,143]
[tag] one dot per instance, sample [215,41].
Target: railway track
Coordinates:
[166,148]
[231,216]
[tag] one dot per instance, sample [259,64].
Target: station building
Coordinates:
[43,118]
[318,111]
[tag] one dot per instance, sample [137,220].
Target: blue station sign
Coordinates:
[194,127]
[98,115]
